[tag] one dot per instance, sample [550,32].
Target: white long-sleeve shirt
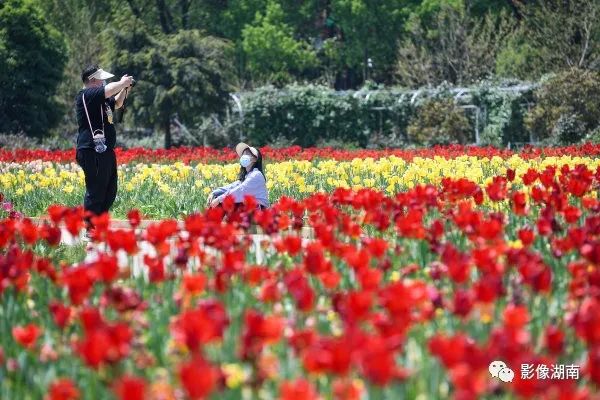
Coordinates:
[254,185]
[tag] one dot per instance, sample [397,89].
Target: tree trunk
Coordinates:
[167,130]
[185,10]
[515,9]
[134,9]
[164,16]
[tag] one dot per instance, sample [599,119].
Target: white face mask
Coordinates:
[245,160]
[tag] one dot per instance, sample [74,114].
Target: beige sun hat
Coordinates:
[239,149]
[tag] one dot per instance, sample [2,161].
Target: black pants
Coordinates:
[100,171]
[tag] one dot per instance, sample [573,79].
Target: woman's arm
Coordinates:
[251,185]
[223,189]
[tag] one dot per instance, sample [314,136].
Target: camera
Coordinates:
[121,112]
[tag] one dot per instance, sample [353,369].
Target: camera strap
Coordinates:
[88,118]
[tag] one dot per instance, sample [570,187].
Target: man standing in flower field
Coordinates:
[96,139]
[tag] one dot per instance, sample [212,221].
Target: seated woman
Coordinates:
[251,180]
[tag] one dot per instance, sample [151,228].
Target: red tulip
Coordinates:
[74,220]
[526,236]
[102,342]
[370,278]
[56,213]
[292,244]
[198,378]
[250,203]
[411,225]
[121,239]
[79,281]
[377,362]
[497,189]
[463,302]
[101,224]
[300,389]
[28,231]
[571,214]
[26,335]
[130,388]
[314,259]
[593,364]
[586,321]
[157,233]
[353,306]
[194,284]
[519,203]
[156,268]
[347,390]
[510,175]
[269,292]
[457,263]
[255,275]
[590,203]
[377,246]
[554,339]
[63,389]
[134,216]
[300,289]
[93,349]
[357,259]
[202,325]
[301,339]
[406,299]
[106,268]
[60,313]
[328,355]
[515,316]
[123,299]
[579,181]
[51,234]
[466,362]
[259,331]
[228,204]
[530,177]
[488,288]
[210,155]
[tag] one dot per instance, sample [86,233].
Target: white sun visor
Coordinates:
[101,75]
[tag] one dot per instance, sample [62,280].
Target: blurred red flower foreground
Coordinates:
[392,296]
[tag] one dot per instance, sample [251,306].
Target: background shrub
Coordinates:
[439,122]
[567,107]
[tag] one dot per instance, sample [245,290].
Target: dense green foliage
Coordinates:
[183,74]
[272,52]
[188,55]
[32,57]
[308,115]
[440,122]
[567,107]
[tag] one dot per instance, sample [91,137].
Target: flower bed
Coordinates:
[192,155]
[414,293]
[175,189]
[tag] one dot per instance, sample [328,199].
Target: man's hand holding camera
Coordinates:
[126,83]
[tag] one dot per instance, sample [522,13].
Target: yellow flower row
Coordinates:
[296,178]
